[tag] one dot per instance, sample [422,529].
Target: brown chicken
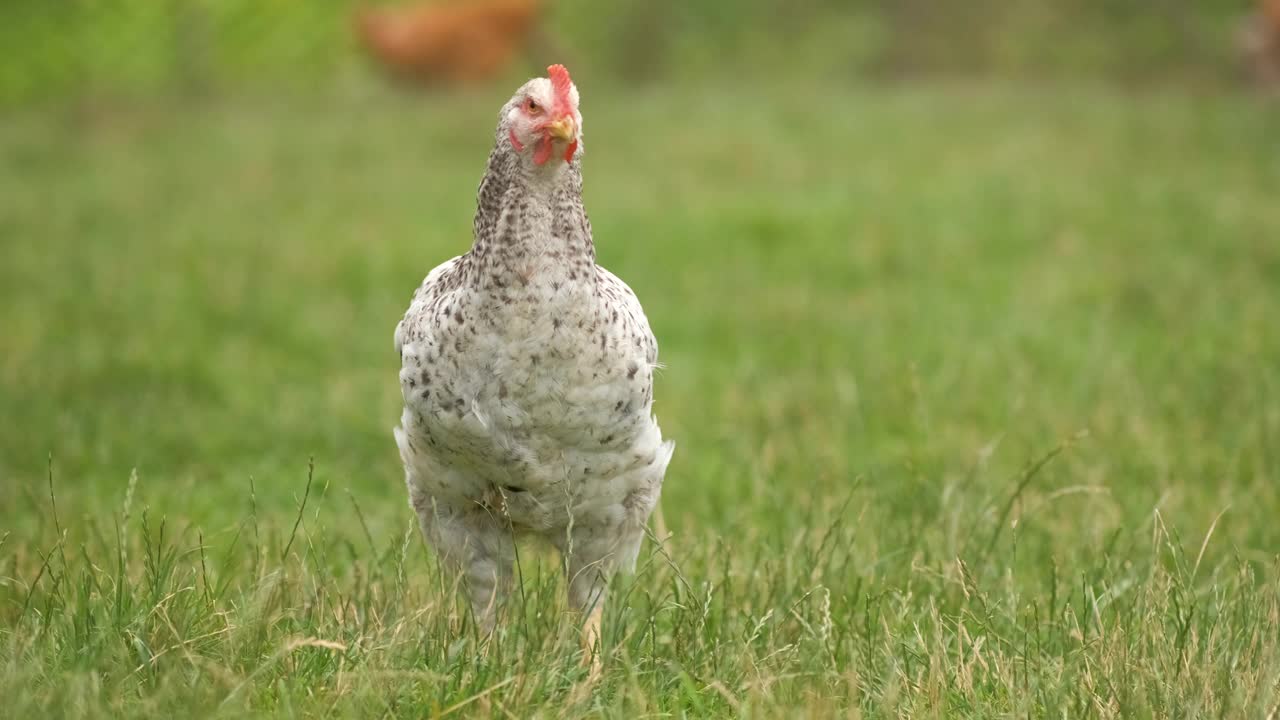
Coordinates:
[451,42]
[1259,43]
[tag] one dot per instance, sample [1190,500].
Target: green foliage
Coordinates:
[975,395]
[88,48]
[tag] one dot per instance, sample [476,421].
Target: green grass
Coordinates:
[976,394]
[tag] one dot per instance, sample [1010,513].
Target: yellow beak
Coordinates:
[562,129]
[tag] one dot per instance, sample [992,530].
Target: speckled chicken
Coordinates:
[527,375]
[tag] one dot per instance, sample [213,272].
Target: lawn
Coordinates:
[976,395]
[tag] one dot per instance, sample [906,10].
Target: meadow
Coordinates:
[975,388]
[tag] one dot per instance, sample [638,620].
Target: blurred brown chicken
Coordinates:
[451,42]
[1259,43]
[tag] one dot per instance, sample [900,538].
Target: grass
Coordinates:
[976,394]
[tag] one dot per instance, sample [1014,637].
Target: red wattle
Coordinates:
[543,153]
[568,154]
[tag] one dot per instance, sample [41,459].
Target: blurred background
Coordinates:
[114,48]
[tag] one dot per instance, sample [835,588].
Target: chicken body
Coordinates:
[527,376]
[450,42]
[1259,43]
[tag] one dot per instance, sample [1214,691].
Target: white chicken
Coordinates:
[527,375]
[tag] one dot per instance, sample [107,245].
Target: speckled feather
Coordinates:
[527,375]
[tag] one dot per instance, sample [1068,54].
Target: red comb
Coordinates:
[560,81]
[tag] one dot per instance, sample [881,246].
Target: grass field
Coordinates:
[976,394]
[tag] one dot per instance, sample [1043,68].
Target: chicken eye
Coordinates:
[532,106]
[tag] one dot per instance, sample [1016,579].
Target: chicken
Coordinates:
[451,43]
[1259,43]
[527,376]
